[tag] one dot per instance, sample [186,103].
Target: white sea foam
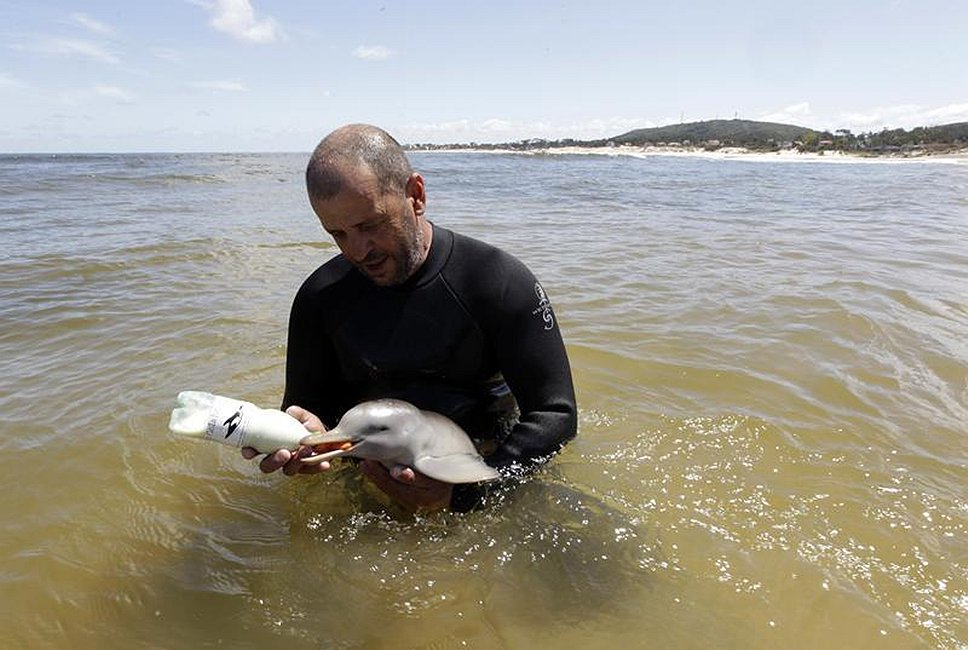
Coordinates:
[735,153]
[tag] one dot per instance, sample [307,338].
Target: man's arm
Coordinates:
[523,334]
[535,365]
[310,360]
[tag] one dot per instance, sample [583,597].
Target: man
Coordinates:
[413,311]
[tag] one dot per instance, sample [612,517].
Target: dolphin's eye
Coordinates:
[376,428]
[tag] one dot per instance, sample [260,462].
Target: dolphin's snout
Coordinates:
[327,445]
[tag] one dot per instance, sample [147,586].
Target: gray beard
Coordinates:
[415,247]
[411,245]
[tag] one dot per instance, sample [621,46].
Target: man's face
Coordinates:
[378,233]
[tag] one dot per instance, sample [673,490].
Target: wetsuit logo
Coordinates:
[544,307]
[233,422]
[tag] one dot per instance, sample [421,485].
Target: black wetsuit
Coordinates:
[470,335]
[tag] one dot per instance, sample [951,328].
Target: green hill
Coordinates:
[955,134]
[737,133]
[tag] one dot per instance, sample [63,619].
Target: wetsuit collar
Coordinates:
[440,248]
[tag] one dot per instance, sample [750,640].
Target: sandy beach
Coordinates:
[738,153]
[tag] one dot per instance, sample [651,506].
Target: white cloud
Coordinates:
[168,54]
[6,81]
[607,127]
[433,129]
[69,47]
[496,125]
[220,86]
[798,114]
[947,114]
[94,25]
[373,52]
[81,97]
[237,18]
[113,92]
[904,116]
[496,130]
[900,116]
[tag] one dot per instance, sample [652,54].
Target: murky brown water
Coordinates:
[773,379]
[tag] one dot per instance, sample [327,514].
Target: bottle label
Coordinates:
[227,422]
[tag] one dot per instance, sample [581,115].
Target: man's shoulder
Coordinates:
[470,253]
[478,261]
[486,278]
[330,276]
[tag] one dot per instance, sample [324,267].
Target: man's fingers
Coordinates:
[403,474]
[306,418]
[288,461]
[294,465]
[315,469]
[274,461]
[379,473]
[421,492]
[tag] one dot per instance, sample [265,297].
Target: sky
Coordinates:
[277,75]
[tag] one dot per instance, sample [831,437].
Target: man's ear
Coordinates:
[416,193]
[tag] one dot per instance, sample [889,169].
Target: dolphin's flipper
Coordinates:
[456,468]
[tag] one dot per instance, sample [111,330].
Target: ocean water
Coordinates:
[772,370]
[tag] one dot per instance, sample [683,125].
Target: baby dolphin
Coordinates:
[396,432]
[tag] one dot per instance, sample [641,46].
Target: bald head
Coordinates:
[344,151]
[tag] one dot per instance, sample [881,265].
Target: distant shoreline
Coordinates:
[959,157]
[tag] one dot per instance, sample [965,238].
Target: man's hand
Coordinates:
[291,463]
[411,490]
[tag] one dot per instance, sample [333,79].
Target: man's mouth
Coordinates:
[374,267]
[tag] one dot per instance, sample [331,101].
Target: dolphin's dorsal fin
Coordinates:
[456,468]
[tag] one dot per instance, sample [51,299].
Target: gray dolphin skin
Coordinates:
[396,432]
